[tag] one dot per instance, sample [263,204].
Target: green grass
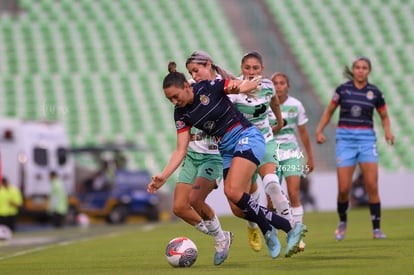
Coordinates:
[139,249]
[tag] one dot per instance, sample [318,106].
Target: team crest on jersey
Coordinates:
[370,95]
[291,113]
[205,100]
[179,124]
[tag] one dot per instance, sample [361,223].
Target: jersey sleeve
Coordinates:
[302,116]
[380,102]
[336,98]
[180,123]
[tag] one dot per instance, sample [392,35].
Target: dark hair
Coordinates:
[200,57]
[174,78]
[282,75]
[348,72]
[4,180]
[52,174]
[253,54]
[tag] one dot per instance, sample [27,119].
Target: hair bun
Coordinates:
[172,67]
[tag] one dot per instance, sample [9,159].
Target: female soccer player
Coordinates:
[289,153]
[256,111]
[200,172]
[356,139]
[205,105]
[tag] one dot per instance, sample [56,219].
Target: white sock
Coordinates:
[201,226]
[256,196]
[279,199]
[297,213]
[214,228]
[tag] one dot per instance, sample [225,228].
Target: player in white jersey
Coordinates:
[201,67]
[289,154]
[256,111]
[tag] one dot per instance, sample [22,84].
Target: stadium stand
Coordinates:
[98,66]
[327,35]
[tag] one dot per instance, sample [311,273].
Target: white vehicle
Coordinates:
[29,151]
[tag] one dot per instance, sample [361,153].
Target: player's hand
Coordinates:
[320,138]
[309,167]
[155,184]
[233,89]
[389,138]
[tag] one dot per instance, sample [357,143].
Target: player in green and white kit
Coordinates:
[256,111]
[290,156]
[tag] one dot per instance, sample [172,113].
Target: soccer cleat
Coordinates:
[272,243]
[222,248]
[294,237]
[301,246]
[340,231]
[254,238]
[378,234]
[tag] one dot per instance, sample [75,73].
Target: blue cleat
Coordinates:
[340,231]
[378,234]
[222,248]
[294,237]
[273,243]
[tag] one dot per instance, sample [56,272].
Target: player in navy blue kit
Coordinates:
[205,105]
[356,139]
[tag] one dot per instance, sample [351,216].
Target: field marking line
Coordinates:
[61,243]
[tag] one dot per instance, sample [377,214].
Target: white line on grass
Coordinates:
[62,243]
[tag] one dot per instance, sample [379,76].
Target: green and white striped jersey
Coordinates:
[294,114]
[256,109]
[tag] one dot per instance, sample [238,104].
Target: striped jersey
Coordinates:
[357,105]
[211,111]
[200,142]
[256,109]
[294,114]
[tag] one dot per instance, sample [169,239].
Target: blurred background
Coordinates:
[97,67]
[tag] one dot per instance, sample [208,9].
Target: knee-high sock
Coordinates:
[214,228]
[297,213]
[279,199]
[264,218]
[255,195]
[201,226]
[342,209]
[375,210]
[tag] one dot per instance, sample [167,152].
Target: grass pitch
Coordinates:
[139,249]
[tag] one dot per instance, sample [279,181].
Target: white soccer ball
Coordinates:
[5,233]
[181,252]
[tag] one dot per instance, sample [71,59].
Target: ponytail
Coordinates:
[173,78]
[348,73]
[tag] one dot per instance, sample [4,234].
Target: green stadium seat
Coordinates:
[91,52]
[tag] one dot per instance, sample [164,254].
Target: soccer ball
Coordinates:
[181,252]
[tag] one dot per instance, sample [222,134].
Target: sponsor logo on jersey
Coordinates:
[208,125]
[205,100]
[356,111]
